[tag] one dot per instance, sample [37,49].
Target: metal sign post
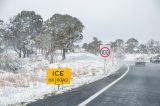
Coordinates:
[105,66]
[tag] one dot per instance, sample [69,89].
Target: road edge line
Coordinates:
[103,89]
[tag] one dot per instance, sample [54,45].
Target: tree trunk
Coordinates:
[67,50]
[24,54]
[20,53]
[6,50]
[51,57]
[36,50]
[28,53]
[42,51]
[64,54]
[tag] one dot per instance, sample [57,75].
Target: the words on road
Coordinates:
[58,76]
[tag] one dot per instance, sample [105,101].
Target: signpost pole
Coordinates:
[58,86]
[62,85]
[104,66]
[105,53]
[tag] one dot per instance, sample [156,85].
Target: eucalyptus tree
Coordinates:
[131,46]
[1,30]
[25,26]
[1,35]
[93,47]
[64,30]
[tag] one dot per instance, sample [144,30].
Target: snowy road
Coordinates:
[140,87]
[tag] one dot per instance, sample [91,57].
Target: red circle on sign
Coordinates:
[108,54]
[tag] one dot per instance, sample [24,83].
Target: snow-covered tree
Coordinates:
[23,25]
[47,41]
[119,54]
[1,31]
[69,30]
[153,46]
[2,35]
[84,46]
[143,49]
[117,44]
[131,46]
[93,47]
[117,48]
[120,43]
[64,30]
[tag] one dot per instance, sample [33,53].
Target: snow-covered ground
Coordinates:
[29,84]
[133,57]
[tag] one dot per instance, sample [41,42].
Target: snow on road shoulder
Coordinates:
[30,85]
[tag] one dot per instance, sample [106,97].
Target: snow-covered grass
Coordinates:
[29,84]
[133,57]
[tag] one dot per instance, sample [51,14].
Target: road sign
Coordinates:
[105,51]
[58,76]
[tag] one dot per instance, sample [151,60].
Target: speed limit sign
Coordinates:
[105,51]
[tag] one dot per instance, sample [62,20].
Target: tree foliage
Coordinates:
[131,45]
[24,26]
[93,47]
[59,32]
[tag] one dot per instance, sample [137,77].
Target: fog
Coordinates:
[105,19]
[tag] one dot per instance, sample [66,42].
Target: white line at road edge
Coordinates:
[102,90]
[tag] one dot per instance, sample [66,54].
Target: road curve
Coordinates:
[140,87]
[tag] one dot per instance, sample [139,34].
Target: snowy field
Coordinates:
[29,84]
[133,57]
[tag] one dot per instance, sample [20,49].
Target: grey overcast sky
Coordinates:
[105,19]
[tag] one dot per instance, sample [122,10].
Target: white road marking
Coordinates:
[102,90]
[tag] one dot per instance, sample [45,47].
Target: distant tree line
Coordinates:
[131,46]
[27,32]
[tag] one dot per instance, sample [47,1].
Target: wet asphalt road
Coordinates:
[140,87]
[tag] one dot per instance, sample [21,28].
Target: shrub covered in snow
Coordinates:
[8,63]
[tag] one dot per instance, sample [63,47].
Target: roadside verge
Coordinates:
[80,94]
